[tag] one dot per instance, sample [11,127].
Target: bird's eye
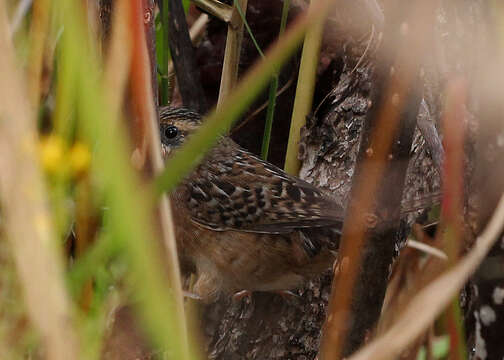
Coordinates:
[171,132]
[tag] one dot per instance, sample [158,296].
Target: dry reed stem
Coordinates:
[431,300]
[25,206]
[304,92]
[142,90]
[427,249]
[231,61]
[218,9]
[453,168]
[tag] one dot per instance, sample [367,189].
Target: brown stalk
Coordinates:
[27,218]
[374,208]
[184,59]
[148,7]
[451,229]
[453,183]
[195,33]
[141,90]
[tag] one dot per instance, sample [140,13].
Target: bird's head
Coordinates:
[176,124]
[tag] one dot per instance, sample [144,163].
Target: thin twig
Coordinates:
[262,107]
[270,113]
[431,250]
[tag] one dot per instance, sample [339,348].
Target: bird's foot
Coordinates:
[287,294]
[238,296]
[191,295]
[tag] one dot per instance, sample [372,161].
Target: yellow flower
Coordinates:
[79,158]
[51,153]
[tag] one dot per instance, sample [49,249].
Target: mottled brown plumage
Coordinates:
[244,224]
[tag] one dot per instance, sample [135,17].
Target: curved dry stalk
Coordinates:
[28,222]
[431,301]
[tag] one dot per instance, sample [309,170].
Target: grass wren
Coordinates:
[242,223]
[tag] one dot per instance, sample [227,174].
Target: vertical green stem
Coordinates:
[270,113]
[272,91]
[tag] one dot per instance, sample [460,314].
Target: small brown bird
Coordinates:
[244,224]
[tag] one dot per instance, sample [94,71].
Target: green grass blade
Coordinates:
[249,30]
[270,113]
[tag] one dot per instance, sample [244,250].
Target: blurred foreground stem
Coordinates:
[38,34]
[28,220]
[129,208]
